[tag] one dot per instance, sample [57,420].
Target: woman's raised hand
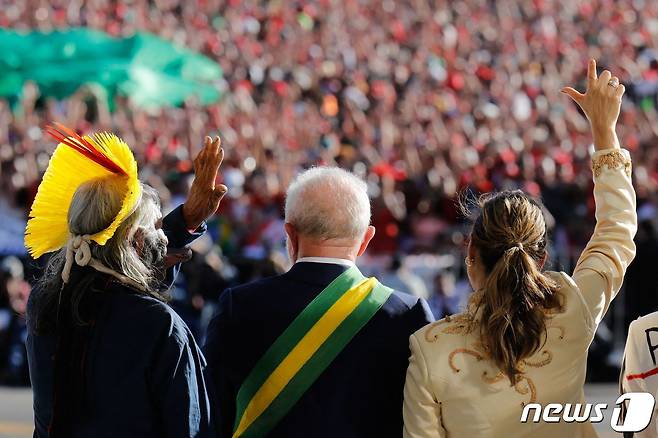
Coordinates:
[601,104]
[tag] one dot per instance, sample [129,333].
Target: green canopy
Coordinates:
[151,71]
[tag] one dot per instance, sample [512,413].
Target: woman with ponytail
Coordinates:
[522,342]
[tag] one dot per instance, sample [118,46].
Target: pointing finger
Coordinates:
[591,73]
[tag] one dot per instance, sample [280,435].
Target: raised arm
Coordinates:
[600,270]
[186,223]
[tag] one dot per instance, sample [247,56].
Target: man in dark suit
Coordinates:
[359,393]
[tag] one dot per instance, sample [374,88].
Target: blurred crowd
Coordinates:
[426,100]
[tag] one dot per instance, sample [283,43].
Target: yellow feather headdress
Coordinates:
[76,160]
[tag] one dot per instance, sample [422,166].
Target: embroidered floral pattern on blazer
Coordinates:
[613,160]
[524,385]
[461,324]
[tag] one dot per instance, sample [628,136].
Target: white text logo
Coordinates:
[638,412]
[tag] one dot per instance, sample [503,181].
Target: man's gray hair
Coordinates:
[328,203]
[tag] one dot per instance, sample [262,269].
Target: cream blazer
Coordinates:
[454,390]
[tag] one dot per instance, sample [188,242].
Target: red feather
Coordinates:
[70,138]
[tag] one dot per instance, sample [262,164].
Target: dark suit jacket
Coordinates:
[358,395]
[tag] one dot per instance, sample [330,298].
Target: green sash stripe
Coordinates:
[292,335]
[319,362]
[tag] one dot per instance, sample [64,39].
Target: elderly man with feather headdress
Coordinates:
[107,356]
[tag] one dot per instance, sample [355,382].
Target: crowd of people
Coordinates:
[424,100]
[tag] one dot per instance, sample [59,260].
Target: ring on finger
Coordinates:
[614,83]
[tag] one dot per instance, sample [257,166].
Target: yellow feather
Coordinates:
[47,229]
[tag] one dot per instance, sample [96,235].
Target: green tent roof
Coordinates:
[151,71]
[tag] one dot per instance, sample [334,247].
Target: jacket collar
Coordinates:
[335,261]
[316,273]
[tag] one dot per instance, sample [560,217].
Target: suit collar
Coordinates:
[335,261]
[316,273]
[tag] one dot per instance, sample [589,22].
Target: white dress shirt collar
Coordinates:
[330,260]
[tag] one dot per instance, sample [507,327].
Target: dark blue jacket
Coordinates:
[358,395]
[143,373]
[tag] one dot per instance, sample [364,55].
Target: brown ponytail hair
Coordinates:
[510,237]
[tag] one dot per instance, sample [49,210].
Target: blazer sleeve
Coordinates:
[222,391]
[421,409]
[174,228]
[177,382]
[173,225]
[600,270]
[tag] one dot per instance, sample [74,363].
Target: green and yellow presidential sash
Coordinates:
[304,350]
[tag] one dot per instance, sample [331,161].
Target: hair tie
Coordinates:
[77,250]
[516,246]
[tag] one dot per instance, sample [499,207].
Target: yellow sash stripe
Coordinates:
[302,352]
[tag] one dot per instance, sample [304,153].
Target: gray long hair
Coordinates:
[93,208]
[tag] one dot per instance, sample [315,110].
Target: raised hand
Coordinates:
[204,196]
[601,104]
